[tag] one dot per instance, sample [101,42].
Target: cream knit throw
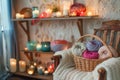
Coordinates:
[66,69]
[112,66]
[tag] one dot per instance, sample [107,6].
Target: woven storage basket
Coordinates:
[84,64]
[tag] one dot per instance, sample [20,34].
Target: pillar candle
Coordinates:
[22,66]
[13,66]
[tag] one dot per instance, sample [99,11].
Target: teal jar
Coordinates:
[35,12]
[46,46]
[31,45]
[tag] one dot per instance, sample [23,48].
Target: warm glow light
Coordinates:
[22,66]
[49,11]
[25,49]
[45,45]
[13,65]
[38,46]
[58,14]
[30,71]
[89,13]
[46,72]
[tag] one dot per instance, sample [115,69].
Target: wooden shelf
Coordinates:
[35,76]
[57,18]
[27,51]
[29,54]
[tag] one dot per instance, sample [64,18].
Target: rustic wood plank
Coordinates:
[105,35]
[117,40]
[111,37]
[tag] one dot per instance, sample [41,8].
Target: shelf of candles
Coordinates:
[35,75]
[57,18]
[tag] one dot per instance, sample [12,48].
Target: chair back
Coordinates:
[110,33]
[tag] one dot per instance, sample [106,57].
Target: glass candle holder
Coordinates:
[45,46]
[38,47]
[30,71]
[35,12]
[40,70]
[31,45]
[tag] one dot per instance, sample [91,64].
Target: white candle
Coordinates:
[18,15]
[13,65]
[22,66]
[46,72]
[89,13]
[30,71]
[38,47]
[35,13]
[58,14]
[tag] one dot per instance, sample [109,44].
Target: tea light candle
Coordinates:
[13,65]
[58,14]
[40,70]
[22,66]
[45,46]
[26,49]
[38,47]
[18,15]
[50,69]
[89,13]
[30,71]
[49,12]
[73,14]
[21,16]
[46,72]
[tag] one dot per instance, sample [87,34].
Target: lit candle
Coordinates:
[49,12]
[30,71]
[22,66]
[21,16]
[40,70]
[18,15]
[73,14]
[58,14]
[51,68]
[45,46]
[38,47]
[26,49]
[46,72]
[13,65]
[35,13]
[89,13]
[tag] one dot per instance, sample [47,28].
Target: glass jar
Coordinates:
[35,12]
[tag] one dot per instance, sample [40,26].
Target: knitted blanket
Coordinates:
[112,67]
[66,69]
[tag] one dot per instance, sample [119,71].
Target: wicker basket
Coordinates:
[84,64]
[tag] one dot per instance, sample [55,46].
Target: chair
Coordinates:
[109,33]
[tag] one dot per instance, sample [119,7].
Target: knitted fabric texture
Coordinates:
[93,45]
[90,54]
[78,48]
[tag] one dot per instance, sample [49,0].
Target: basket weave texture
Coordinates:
[88,65]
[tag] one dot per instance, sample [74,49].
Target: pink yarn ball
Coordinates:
[90,54]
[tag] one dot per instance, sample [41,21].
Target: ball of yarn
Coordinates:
[78,48]
[90,54]
[104,53]
[93,45]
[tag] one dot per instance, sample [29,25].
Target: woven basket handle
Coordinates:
[98,38]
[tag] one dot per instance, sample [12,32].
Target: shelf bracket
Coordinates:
[80,26]
[26,30]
